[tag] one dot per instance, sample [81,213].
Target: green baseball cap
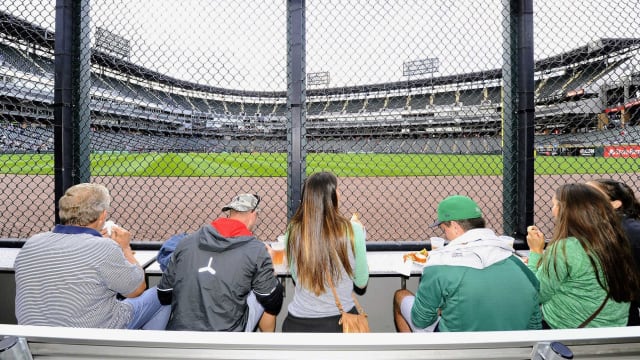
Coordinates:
[457,207]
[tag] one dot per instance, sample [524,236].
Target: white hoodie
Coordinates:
[476,248]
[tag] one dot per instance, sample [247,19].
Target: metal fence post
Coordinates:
[63,107]
[71,90]
[296,133]
[518,117]
[526,118]
[81,87]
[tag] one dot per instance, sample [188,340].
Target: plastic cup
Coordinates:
[507,240]
[278,253]
[436,242]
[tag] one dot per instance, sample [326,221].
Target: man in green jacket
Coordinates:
[475,283]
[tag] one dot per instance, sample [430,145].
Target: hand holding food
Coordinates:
[108,225]
[121,236]
[535,239]
[356,218]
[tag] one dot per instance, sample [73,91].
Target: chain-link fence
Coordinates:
[176,106]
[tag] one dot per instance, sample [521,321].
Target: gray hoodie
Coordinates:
[210,277]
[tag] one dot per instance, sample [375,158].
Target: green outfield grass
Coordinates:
[275,164]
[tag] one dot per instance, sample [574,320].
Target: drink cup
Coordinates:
[436,242]
[278,252]
[507,240]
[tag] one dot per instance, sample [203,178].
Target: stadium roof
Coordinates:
[594,49]
[24,31]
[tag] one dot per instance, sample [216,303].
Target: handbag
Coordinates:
[351,323]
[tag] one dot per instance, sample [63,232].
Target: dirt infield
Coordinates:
[393,209]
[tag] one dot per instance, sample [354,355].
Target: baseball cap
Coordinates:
[243,202]
[457,207]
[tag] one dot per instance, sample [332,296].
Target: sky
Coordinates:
[242,44]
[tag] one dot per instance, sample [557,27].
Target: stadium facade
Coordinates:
[137,109]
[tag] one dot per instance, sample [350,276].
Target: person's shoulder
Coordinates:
[37,237]
[570,245]
[565,242]
[257,245]
[445,269]
[255,250]
[102,245]
[631,226]
[180,241]
[571,242]
[514,262]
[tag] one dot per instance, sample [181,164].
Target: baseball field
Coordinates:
[343,165]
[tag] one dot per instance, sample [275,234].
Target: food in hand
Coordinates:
[356,218]
[108,226]
[417,256]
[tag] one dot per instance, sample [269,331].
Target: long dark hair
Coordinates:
[318,235]
[586,214]
[619,191]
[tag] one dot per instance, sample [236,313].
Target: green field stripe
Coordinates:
[585,165]
[275,164]
[121,164]
[27,164]
[405,164]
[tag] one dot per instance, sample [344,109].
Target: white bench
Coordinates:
[65,343]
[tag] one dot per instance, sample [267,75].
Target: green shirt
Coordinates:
[569,291]
[502,296]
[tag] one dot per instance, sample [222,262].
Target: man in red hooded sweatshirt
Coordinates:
[221,277]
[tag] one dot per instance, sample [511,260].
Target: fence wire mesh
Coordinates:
[188,103]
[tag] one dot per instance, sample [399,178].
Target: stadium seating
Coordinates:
[141,109]
[17,60]
[374,104]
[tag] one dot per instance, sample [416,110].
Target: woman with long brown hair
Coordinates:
[322,245]
[626,205]
[586,274]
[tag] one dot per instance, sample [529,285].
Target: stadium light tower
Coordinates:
[112,44]
[318,78]
[421,67]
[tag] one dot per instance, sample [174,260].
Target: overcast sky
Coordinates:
[242,44]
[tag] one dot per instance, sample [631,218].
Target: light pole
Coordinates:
[420,67]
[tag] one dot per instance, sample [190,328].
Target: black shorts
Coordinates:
[327,324]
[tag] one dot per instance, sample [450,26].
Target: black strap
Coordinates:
[584,323]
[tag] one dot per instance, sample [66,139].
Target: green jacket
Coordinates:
[503,296]
[569,291]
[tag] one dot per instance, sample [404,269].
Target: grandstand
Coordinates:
[137,109]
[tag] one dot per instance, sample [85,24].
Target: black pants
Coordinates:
[327,324]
